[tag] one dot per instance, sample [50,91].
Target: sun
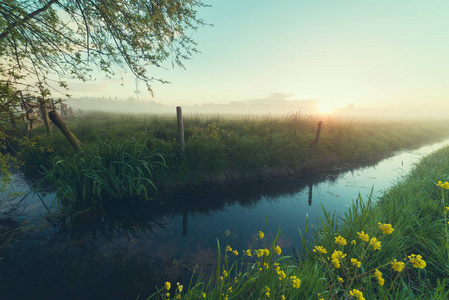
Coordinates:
[325,107]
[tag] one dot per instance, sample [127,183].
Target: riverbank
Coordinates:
[394,247]
[131,156]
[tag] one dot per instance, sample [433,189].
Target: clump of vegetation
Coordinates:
[393,248]
[110,170]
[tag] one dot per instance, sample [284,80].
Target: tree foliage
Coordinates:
[68,38]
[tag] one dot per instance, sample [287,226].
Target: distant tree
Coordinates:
[67,38]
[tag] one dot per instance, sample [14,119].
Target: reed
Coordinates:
[107,172]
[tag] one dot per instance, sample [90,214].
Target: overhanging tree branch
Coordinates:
[28,17]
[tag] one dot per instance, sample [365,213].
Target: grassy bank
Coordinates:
[219,151]
[394,248]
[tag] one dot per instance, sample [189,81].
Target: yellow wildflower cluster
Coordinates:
[357,294]
[295,282]
[320,249]
[379,278]
[444,185]
[397,265]
[340,240]
[417,261]
[336,257]
[386,228]
[356,263]
[262,252]
[363,236]
[278,250]
[375,243]
[267,291]
[260,235]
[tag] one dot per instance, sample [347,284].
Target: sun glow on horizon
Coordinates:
[325,107]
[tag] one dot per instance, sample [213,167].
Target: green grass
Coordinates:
[416,208]
[112,170]
[221,151]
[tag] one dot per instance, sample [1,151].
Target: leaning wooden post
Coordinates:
[44,114]
[180,128]
[59,122]
[318,131]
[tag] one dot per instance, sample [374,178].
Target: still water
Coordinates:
[121,253]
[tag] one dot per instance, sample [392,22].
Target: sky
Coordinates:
[384,53]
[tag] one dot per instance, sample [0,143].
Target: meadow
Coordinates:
[129,156]
[393,247]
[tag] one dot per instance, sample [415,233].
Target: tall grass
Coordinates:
[394,247]
[109,171]
[222,150]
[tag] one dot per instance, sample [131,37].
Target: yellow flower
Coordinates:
[260,235]
[386,228]
[336,263]
[278,250]
[235,252]
[230,289]
[225,273]
[340,240]
[167,295]
[357,294]
[363,236]
[180,287]
[443,185]
[228,248]
[417,261]
[338,255]
[356,263]
[397,265]
[353,242]
[267,294]
[295,282]
[266,266]
[340,280]
[167,285]
[378,275]
[248,253]
[282,275]
[375,243]
[282,297]
[320,250]
[204,295]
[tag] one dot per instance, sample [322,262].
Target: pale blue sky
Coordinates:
[342,52]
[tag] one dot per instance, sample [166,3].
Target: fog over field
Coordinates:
[274,104]
[379,59]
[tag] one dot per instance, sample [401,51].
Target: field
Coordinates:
[127,156]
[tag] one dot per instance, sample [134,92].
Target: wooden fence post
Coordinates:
[59,122]
[318,131]
[180,128]
[44,113]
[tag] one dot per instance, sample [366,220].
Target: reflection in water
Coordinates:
[310,194]
[184,223]
[120,252]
